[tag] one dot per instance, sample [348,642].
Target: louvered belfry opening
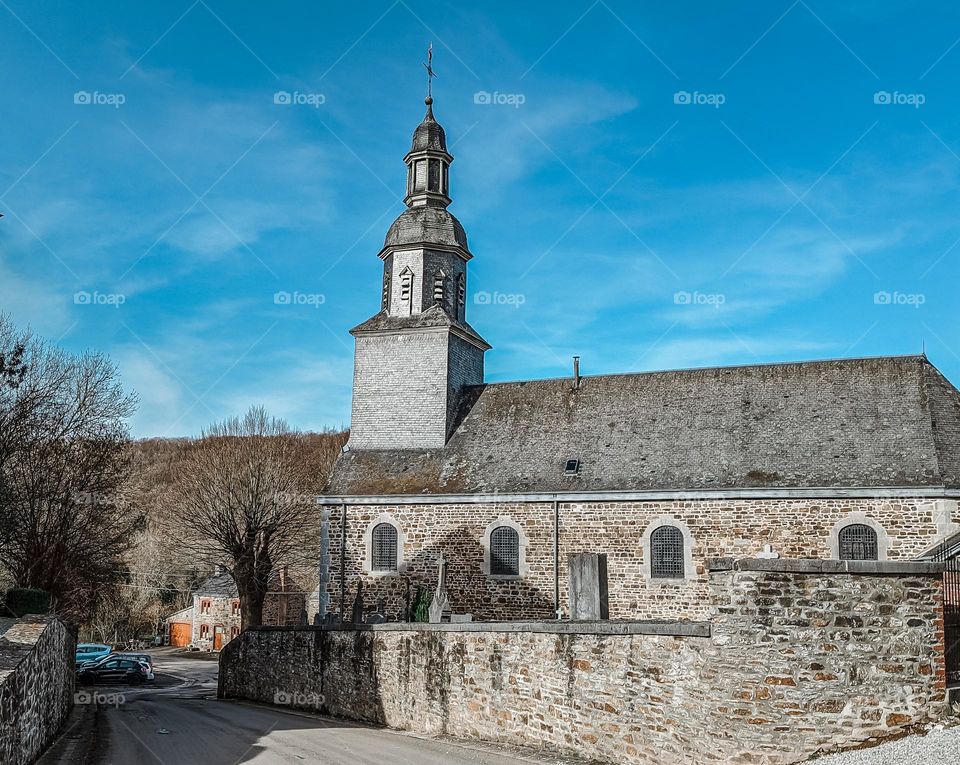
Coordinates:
[504,552]
[384,541]
[666,553]
[858,542]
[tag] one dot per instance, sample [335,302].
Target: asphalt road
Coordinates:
[180,722]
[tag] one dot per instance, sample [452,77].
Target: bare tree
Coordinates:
[242,493]
[64,519]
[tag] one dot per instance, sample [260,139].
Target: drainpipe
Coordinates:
[576,372]
[556,558]
[324,595]
[343,559]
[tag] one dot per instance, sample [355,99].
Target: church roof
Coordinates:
[434,225]
[853,423]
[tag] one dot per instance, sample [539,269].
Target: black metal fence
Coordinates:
[948,555]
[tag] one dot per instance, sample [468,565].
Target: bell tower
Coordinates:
[415,357]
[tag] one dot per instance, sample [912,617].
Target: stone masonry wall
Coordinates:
[804,659]
[795,528]
[36,685]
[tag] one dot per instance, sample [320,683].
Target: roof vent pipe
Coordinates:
[576,372]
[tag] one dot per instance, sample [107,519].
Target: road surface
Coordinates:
[179,721]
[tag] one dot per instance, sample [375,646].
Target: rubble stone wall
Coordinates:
[798,657]
[37,655]
[795,528]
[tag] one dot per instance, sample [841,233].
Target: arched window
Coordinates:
[384,544]
[439,286]
[461,291]
[858,542]
[504,552]
[666,553]
[385,300]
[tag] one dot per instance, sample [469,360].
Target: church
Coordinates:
[851,459]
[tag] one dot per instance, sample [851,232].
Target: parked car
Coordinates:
[113,670]
[88,653]
[143,658]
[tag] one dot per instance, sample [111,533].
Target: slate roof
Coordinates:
[429,134]
[218,586]
[426,225]
[434,316]
[873,422]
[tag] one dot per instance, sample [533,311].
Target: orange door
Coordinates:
[217,638]
[180,634]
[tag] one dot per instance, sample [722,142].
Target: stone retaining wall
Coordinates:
[36,685]
[816,656]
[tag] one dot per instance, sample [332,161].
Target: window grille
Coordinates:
[666,553]
[384,553]
[858,542]
[461,291]
[439,286]
[504,551]
[385,300]
[406,283]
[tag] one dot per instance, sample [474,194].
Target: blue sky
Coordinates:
[649,187]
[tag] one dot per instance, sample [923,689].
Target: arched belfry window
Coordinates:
[504,552]
[461,291]
[857,541]
[666,553]
[439,287]
[383,554]
[385,299]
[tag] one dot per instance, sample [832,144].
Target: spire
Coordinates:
[428,163]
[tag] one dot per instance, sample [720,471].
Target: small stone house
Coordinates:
[214,618]
[842,459]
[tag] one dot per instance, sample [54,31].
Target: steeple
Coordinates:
[415,358]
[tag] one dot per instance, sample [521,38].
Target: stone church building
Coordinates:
[849,459]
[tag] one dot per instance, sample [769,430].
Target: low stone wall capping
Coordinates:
[798,658]
[651,627]
[36,685]
[827,566]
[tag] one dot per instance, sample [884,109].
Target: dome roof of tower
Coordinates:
[433,225]
[429,134]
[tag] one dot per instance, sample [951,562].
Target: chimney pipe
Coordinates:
[576,372]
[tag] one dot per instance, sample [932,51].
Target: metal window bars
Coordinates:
[666,553]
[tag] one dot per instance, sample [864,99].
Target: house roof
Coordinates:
[870,422]
[218,586]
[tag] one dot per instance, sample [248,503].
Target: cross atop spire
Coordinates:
[430,75]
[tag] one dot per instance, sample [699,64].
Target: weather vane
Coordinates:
[430,74]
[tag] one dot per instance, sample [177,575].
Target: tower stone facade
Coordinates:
[415,357]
